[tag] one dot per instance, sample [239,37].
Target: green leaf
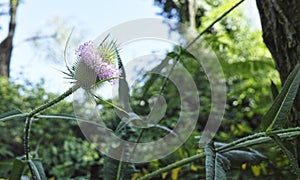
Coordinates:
[11,115]
[158,68]
[293,161]
[37,169]
[242,155]
[209,163]
[58,116]
[186,54]
[274,90]
[123,89]
[224,161]
[247,68]
[71,118]
[110,167]
[17,169]
[113,169]
[110,103]
[215,165]
[221,164]
[164,128]
[238,157]
[6,152]
[6,166]
[277,115]
[98,83]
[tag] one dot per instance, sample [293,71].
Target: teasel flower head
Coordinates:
[96,63]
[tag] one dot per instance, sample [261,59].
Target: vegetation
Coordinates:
[256,139]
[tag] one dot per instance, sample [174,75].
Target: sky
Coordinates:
[93,16]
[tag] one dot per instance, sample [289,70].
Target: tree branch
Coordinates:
[6,45]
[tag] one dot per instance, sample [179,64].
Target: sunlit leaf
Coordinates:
[174,173]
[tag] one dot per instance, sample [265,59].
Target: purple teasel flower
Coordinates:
[99,60]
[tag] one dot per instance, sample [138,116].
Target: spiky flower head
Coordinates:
[96,63]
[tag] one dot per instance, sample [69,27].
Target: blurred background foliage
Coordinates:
[248,68]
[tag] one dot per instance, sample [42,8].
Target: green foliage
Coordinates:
[37,169]
[110,169]
[49,136]
[215,165]
[277,115]
[293,162]
[249,69]
[114,169]
[75,158]
[58,143]
[17,169]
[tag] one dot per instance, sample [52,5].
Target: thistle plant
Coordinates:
[98,63]
[94,66]
[95,63]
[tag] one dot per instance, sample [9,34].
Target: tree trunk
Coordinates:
[192,14]
[6,46]
[281,32]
